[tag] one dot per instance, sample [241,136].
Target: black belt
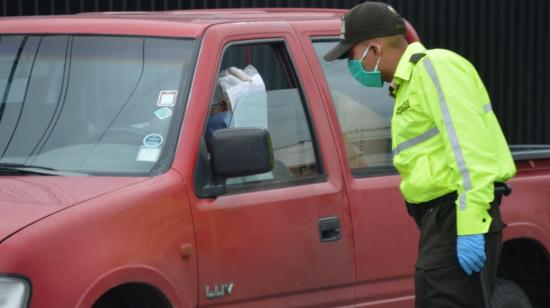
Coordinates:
[418,210]
[501,189]
[453,195]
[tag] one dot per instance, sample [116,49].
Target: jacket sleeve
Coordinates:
[456,100]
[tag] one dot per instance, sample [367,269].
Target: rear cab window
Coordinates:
[364,115]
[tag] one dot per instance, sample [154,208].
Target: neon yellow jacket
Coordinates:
[445,136]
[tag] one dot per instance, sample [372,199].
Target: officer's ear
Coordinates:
[376,50]
[356,51]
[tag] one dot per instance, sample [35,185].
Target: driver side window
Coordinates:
[257,87]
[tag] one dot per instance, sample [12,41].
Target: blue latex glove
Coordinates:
[470,250]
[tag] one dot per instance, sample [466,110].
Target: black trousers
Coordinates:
[440,281]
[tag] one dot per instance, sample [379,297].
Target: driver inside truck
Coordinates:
[220,114]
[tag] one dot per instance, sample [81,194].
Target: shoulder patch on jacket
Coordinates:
[416,57]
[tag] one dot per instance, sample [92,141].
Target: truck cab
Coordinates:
[115,192]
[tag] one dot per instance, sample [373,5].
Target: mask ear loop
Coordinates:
[367,52]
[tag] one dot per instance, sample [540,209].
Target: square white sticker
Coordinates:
[167,98]
[148,154]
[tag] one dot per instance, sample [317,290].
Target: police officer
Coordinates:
[447,146]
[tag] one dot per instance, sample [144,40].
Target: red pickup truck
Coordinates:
[115,193]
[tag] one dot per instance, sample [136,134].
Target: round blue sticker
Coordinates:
[152,140]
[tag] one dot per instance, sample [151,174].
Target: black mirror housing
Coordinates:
[238,152]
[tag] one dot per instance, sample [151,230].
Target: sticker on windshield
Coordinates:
[152,140]
[148,154]
[167,98]
[163,113]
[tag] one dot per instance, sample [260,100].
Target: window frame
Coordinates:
[288,64]
[364,172]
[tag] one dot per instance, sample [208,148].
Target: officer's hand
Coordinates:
[470,250]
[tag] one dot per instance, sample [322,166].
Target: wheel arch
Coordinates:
[525,260]
[133,277]
[133,295]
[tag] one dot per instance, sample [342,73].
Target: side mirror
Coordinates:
[238,152]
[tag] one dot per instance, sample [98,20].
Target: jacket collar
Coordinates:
[405,67]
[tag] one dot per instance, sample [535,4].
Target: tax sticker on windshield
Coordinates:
[148,154]
[167,98]
[152,140]
[163,113]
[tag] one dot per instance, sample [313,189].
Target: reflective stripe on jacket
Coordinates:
[445,136]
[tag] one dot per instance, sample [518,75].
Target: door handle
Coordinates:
[329,229]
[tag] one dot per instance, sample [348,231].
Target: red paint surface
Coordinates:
[75,238]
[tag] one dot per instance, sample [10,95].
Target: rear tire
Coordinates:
[508,294]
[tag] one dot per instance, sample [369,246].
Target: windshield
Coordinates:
[92,104]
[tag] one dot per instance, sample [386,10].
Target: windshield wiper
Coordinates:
[16,168]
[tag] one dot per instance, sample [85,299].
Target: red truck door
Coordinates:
[385,237]
[283,238]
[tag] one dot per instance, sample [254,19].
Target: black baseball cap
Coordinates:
[366,21]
